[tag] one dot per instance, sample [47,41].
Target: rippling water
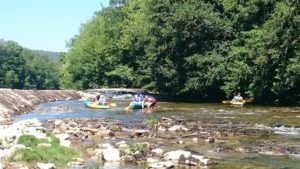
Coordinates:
[282,125]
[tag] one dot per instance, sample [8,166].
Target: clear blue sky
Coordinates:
[45,24]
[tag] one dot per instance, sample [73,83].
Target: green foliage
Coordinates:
[120,75]
[264,55]
[133,147]
[204,48]
[152,121]
[28,141]
[55,154]
[53,56]
[21,68]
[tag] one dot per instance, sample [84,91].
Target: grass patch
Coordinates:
[152,121]
[31,141]
[56,154]
[133,147]
[28,141]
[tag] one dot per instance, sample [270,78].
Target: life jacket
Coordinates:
[151,99]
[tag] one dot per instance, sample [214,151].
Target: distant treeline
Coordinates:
[54,56]
[200,48]
[21,68]
[207,49]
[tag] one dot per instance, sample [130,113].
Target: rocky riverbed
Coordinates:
[164,142]
[158,143]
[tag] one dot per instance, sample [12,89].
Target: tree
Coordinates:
[21,68]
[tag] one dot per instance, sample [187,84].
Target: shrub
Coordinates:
[28,141]
[55,154]
[133,147]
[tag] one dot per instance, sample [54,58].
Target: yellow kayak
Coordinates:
[94,105]
[238,102]
[234,103]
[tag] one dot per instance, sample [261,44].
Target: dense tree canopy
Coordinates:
[21,68]
[202,48]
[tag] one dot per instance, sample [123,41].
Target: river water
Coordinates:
[277,126]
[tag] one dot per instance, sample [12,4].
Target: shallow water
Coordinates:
[281,126]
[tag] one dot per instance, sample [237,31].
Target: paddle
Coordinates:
[113,104]
[226,101]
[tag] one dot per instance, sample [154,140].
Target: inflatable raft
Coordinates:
[136,105]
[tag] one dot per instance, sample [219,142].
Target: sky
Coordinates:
[45,24]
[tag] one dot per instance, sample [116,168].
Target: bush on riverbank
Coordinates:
[29,141]
[54,153]
[133,147]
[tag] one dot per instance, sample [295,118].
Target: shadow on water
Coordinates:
[270,125]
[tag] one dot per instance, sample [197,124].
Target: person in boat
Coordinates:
[102,100]
[237,98]
[141,100]
[137,99]
[97,98]
[149,101]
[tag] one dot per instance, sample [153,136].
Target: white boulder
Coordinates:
[175,155]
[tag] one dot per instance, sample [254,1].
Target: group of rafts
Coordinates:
[139,102]
[147,102]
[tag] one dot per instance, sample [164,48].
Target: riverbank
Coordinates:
[13,102]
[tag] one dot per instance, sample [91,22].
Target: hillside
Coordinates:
[52,55]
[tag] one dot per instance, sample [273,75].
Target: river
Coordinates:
[264,130]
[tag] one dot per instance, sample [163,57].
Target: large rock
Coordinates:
[161,165]
[175,155]
[64,139]
[157,151]
[178,128]
[6,153]
[46,166]
[111,154]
